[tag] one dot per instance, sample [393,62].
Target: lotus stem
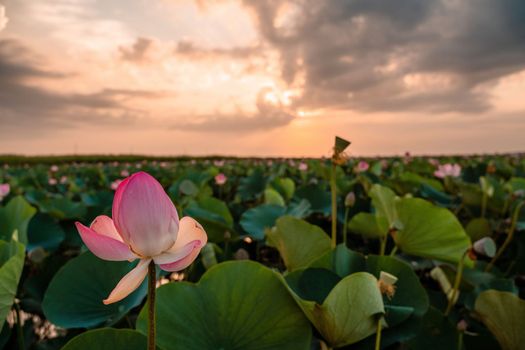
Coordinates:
[378,334]
[19,329]
[457,281]
[510,235]
[152,281]
[345,226]
[394,251]
[484,200]
[383,245]
[333,188]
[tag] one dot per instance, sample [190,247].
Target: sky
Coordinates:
[261,78]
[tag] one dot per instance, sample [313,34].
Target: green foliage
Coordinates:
[108,339]
[74,296]
[286,236]
[224,311]
[504,314]
[15,216]
[12,256]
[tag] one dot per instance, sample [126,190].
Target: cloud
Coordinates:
[187,48]
[405,55]
[33,107]
[269,115]
[138,52]
[3,18]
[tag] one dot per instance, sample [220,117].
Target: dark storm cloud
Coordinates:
[23,104]
[363,54]
[268,116]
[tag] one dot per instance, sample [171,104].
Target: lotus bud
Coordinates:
[485,247]
[462,326]
[350,199]
[241,254]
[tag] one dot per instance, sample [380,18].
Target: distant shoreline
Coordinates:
[93,158]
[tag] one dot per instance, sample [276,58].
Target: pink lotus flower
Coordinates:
[362,166]
[303,166]
[124,173]
[145,226]
[433,161]
[52,181]
[114,185]
[220,179]
[4,190]
[452,170]
[54,168]
[63,179]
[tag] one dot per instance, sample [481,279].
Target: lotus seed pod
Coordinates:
[485,246]
[386,284]
[387,278]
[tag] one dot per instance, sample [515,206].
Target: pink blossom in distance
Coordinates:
[220,179]
[145,226]
[52,181]
[362,166]
[444,170]
[114,184]
[4,190]
[303,166]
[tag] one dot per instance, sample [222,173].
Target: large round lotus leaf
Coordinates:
[435,196]
[273,197]
[368,225]
[312,283]
[188,188]
[504,314]
[15,216]
[403,311]
[341,261]
[383,199]
[214,215]
[350,311]
[416,181]
[63,208]
[478,228]
[285,186]
[235,305]
[256,220]
[12,257]
[299,209]
[298,242]
[431,232]
[43,231]
[320,200]
[252,186]
[74,296]
[108,339]
[409,293]
[517,184]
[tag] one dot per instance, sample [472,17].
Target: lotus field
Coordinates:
[218,253]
